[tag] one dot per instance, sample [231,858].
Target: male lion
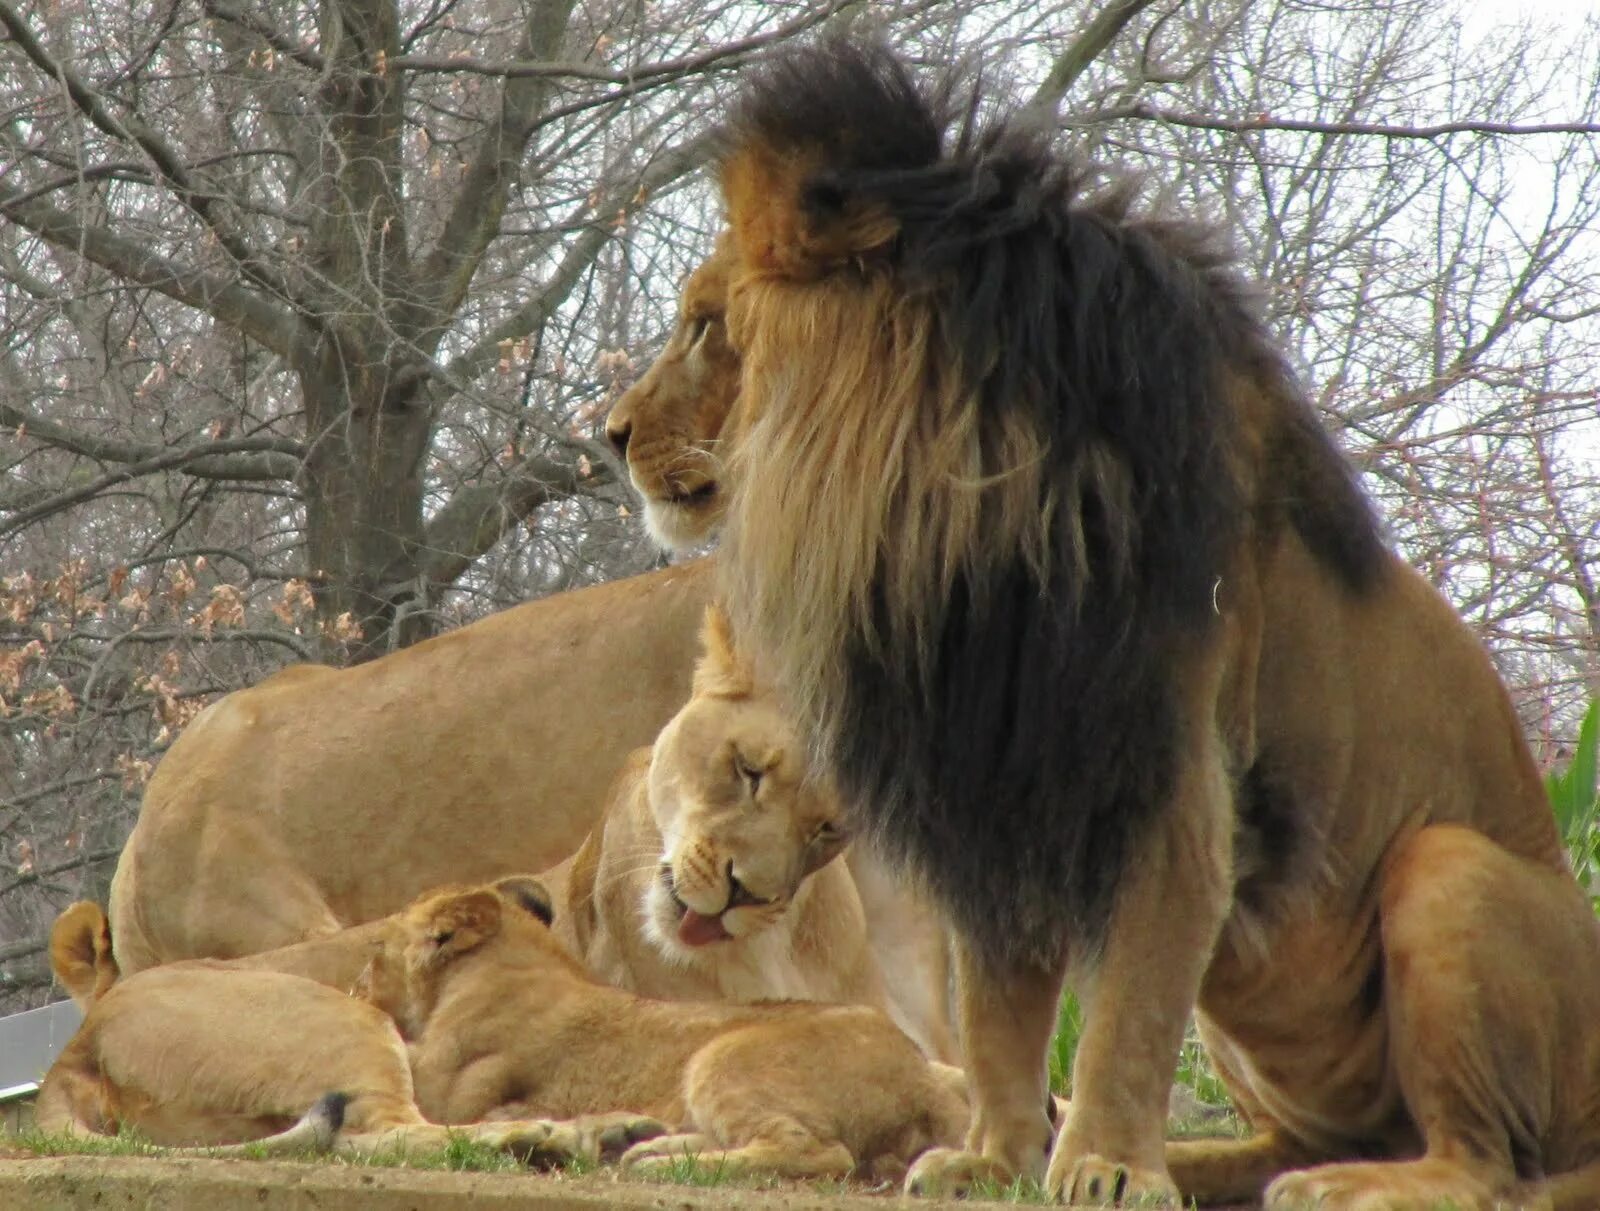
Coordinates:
[208,1053]
[1094,628]
[502,1020]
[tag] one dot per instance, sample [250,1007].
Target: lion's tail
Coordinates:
[80,952]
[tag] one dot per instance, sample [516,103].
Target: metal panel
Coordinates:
[29,1042]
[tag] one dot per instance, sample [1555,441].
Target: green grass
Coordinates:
[462,1154]
[1575,799]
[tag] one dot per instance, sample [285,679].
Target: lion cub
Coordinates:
[502,1020]
[206,1053]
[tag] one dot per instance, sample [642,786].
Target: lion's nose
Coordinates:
[617,434]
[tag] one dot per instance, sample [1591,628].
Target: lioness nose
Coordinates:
[617,433]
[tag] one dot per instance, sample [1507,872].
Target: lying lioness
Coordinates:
[501,1019]
[208,1053]
[712,875]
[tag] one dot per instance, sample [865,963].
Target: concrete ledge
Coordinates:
[82,1183]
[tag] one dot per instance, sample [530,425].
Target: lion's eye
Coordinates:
[698,329]
[443,936]
[750,775]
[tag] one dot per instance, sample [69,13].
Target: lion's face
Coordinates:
[667,424]
[742,822]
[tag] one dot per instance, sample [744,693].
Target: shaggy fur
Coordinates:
[1038,388]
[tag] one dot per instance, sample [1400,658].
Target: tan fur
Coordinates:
[81,952]
[658,424]
[1391,717]
[322,798]
[204,1053]
[814,940]
[798,930]
[502,1019]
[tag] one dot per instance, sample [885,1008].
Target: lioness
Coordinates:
[1282,772]
[502,1020]
[208,1053]
[711,874]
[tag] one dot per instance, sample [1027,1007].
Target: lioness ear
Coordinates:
[721,670]
[529,893]
[459,924]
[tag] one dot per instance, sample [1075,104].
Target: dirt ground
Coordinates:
[81,1183]
[145,1184]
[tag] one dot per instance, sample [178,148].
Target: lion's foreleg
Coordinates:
[1006,1020]
[1171,903]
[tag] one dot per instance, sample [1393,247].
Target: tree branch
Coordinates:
[662,171]
[1140,112]
[164,461]
[479,515]
[169,164]
[1088,46]
[251,313]
[277,458]
[60,868]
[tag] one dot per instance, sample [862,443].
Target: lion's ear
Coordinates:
[722,670]
[458,925]
[529,893]
[789,216]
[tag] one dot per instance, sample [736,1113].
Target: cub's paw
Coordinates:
[1094,1181]
[951,1173]
[665,1153]
[605,1137]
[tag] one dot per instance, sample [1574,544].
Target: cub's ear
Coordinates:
[721,671]
[529,893]
[457,925]
[80,952]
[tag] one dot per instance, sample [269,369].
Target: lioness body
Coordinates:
[1334,718]
[322,798]
[501,1019]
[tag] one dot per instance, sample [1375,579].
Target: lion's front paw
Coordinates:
[1420,1185]
[1094,1181]
[952,1172]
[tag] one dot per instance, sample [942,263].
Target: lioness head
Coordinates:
[439,927]
[743,820]
[666,426]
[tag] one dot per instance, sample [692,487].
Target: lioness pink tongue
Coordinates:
[696,929]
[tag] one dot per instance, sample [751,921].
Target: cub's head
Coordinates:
[411,961]
[743,821]
[667,425]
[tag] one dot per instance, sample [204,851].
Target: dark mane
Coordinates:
[1046,685]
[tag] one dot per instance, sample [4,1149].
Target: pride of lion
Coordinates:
[1042,579]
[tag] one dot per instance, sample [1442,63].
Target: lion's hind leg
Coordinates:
[1492,991]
